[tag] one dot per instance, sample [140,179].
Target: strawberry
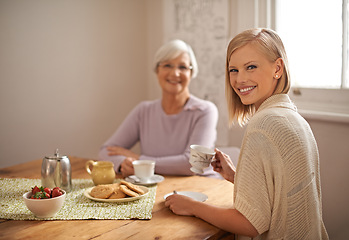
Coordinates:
[56,192]
[35,190]
[48,191]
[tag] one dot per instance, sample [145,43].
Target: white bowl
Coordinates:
[44,208]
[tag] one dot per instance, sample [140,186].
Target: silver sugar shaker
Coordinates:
[56,172]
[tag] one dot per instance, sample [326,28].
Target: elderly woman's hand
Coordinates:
[223,165]
[126,167]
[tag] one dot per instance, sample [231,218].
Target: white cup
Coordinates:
[200,158]
[144,169]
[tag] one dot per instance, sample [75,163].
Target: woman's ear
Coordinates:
[279,68]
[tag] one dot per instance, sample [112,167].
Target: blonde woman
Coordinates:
[277,193]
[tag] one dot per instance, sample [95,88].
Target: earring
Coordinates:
[276,76]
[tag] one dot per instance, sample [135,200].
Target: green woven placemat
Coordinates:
[76,205]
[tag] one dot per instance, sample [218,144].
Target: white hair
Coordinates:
[172,50]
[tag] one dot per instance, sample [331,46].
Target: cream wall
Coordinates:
[332,139]
[70,71]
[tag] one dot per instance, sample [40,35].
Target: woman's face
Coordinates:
[252,76]
[174,75]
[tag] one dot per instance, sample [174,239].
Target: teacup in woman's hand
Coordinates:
[200,158]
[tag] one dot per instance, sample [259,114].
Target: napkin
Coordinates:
[76,205]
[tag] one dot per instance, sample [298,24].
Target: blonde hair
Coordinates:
[172,50]
[271,46]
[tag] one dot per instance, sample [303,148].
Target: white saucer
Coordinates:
[198,196]
[153,180]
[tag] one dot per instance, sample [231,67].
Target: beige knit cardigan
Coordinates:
[277,181]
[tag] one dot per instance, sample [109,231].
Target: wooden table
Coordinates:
[163,225]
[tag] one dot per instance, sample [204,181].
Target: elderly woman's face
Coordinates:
[174,75]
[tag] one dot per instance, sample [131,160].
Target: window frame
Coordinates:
[344,80]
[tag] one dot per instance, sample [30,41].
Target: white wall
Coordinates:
[332,139]
[70,71]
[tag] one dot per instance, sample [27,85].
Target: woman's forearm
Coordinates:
[229,220]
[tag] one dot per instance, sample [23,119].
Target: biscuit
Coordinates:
[117,194]
[102,191]
[133,187]
[128,191]
[115,186]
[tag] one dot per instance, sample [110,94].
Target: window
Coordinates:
[312,32]
[315,34]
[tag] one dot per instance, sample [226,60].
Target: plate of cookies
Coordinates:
[117,192]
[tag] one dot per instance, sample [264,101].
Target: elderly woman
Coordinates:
[166,127]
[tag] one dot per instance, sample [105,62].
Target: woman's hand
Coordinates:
[180,205]
[228,219]
[126,167]
[223,165]
[116,150]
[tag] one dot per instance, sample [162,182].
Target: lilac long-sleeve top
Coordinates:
[166,138]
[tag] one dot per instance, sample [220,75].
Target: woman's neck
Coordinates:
[173,104]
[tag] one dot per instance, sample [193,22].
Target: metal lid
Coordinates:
[56,156]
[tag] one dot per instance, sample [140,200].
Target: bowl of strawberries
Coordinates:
[44,202]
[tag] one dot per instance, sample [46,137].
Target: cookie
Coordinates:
[133,187]
[102,191]
[115,186]
[128,191]
[117,194]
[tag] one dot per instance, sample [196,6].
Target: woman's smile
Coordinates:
[174,81]
[246,90]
